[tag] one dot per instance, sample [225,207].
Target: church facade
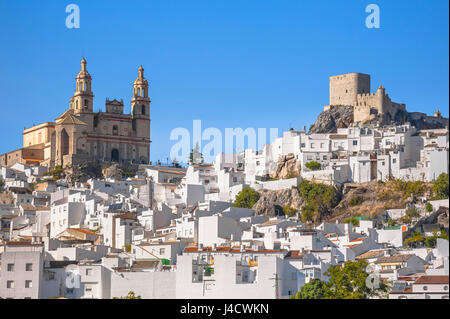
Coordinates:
[80,135]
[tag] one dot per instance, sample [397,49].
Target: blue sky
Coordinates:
[250,63]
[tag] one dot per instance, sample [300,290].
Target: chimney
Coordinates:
[200,246]
[214,247]
[242,248]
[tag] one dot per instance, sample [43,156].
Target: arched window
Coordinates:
[143,109]
[115,130]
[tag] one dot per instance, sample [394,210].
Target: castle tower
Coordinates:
[140,103]
[345,88]
[82,100]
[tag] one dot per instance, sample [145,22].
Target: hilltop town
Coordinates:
[85,214]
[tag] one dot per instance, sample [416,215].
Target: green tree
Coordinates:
[319,199]
[345,282]
[315,289]
[196,156]
[308,213]
[288,210]
[429,207]
[313,165]
[246,198]
[440,187]
[349,282]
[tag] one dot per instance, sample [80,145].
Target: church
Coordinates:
[79,135]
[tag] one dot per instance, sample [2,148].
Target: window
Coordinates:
[257,163]
[445,288]
[425,288]
[28,267]
[162,251]
[88,272]
[28,284]
[394,160]
[324,158]
[383,163]
[143,109]
[10,267]
[312,145]
[10,284]
[355,143]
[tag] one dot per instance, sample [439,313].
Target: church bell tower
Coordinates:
[140,103]
[82,100]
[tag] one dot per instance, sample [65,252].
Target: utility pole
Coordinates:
[276,278]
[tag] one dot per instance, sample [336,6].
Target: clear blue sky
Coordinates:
[251,63]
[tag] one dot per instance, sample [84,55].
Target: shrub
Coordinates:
[412,213]
[352,220]
[246,198]
[355,201]
[308,213]
[319,199]
[406,220]
[289,211]
[391,222]
[429,207]
[313,165]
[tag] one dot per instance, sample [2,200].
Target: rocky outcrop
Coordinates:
[287,167]
[83,172]
[342,116]
[271,203]
[329,121]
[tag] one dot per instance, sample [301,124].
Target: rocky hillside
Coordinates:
[368,199]
[342,116]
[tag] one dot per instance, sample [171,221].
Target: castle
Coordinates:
[80,135]
[353,89]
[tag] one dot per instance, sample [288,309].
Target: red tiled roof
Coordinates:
[294,254]
[430,280]
[84,231]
